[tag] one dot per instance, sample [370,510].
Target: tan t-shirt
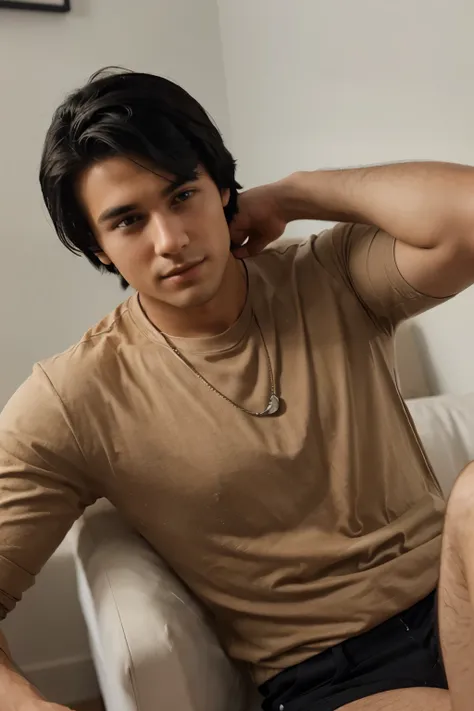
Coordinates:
[297,531]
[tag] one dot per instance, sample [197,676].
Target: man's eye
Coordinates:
[128,221]
[183,196]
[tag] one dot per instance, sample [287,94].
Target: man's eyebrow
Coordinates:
[121,210]
[113,212]
[176,184]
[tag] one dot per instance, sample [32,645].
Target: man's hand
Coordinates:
[264,212]
[261,219]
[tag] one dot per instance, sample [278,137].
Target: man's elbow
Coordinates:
[454,258]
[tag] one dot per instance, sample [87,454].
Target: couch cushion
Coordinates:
[445,425]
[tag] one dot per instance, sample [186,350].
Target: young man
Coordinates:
[242,411]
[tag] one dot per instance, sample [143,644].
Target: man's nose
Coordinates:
[168,235]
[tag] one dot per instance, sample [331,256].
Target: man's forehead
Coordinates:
[126,168]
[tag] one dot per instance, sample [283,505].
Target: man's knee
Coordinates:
[463,487]
[460,512]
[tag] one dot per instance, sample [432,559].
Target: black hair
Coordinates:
[120,112]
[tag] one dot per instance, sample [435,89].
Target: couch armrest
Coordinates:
[152,645]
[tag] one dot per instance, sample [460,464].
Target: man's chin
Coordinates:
[188,299]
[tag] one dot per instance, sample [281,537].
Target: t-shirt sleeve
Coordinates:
[43,484]
[363,257]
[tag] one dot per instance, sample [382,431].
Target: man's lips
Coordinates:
[182,269]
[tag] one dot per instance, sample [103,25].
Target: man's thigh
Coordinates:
[403,700]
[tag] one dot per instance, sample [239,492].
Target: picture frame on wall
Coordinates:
[44,6]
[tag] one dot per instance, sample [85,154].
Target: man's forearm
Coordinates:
[421,204]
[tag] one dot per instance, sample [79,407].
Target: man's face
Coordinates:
[170,243]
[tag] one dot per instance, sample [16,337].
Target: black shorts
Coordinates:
[401,653]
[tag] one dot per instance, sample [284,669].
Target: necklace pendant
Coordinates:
[273,405]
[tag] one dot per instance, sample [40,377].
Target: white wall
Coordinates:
[326,83]
[49,297]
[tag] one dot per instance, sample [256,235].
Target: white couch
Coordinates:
[152,646]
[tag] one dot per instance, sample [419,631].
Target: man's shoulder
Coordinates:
[66,388]
[285,249]
[300,260]
[281,256]
[83,362]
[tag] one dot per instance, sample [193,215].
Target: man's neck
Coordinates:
[210,319]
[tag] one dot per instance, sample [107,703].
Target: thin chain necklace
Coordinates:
[273,401]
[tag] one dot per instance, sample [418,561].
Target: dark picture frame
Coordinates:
[59,6]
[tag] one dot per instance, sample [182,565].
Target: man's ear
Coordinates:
[225,196]
[101,256]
